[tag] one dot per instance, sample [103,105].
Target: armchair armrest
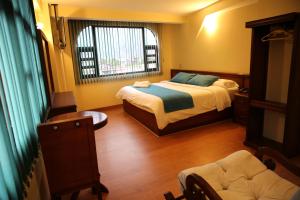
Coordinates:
[287,163]
[199,189]
[196,189]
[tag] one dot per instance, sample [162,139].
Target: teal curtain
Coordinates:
[22,92]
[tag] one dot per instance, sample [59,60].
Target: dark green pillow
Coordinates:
[203,80]
[182,77]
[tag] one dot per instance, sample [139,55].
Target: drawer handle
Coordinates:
[77,124]
[55,128]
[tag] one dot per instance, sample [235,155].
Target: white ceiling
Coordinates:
[164,6]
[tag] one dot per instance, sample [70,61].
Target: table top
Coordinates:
[99,118]
[63,99]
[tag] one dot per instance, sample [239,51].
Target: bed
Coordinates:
[165,123]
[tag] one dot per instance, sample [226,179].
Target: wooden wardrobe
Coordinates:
[274,114]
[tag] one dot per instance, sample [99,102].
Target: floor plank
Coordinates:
[137,165]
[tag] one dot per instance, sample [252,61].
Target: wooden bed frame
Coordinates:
[149,120]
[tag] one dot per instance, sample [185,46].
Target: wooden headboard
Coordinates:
[241,79]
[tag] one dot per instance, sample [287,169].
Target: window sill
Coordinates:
[120,77]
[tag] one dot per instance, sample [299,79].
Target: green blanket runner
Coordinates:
[173,100]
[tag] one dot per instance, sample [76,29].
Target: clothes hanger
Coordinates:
[278,34]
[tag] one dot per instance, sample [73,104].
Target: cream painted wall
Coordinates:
[42,16]
[228,48]
[102,94]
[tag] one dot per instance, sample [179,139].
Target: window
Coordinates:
[113,49]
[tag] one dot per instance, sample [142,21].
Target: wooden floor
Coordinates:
[137,165]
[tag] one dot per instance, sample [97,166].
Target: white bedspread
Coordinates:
[205,99]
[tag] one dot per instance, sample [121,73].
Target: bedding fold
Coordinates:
[141,84]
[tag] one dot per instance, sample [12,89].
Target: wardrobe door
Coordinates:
[292,126]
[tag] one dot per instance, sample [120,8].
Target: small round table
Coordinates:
[99,118]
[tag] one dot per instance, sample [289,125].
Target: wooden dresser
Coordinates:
[69,152]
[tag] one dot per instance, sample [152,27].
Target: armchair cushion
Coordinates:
[242,176]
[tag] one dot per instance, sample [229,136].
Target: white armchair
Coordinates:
[239,176]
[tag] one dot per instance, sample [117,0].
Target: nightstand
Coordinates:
[241,108]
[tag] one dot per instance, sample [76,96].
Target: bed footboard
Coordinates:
[149,120]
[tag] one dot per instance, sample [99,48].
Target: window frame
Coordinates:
[95,50]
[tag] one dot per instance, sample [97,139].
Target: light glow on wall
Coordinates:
[210,23]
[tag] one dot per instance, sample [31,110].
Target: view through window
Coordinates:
[107,51]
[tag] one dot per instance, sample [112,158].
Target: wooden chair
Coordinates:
[197,188]
[69,153]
